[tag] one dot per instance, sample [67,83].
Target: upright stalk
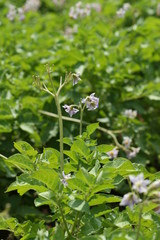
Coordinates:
[64,221]
[75,223]
[81,120]
[60,131]
[139,221]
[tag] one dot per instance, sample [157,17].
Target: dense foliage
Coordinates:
[115,50]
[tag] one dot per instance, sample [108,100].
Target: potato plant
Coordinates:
[79,120]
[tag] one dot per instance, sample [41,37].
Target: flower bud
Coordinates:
[154,185]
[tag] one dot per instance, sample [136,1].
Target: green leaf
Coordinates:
[45,198]
[100,199]
[77,184]
[154,97]
[67,141]
[122,221]
[90,225]
[104,148]
[21,161]
[25,148]
[3,224]
[86,177]
[119,166]
[105,185]
[5,112]
[100,210]
[47,176]
[51,157]
[80,147]
[59,233]
[93,237]
[12,223]
[95,169]
[24,183]
[79,205]
[28,127]
[72,155]
[5,127]
[91,128]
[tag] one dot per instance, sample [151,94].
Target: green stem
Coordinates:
[81,122]
[64,221]
[60,132]
[139,221]
[3,156]
[81,118]
[75,223]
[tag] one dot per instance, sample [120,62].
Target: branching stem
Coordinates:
[109,132]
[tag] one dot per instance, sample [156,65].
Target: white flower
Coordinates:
[126,6]
[81,10]
[130,113]
[121,13]
[139,184]
[59,2]
[133,153]
[130,199]
[65,178]
[76,78]
[72,13]
[113,153]
[31,5]
[12,12]
[21,14]
[91,102]
[96,6]
[70,109]
[127,141]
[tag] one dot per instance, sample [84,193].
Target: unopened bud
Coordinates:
[154,185]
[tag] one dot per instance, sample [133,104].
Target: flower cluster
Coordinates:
[141,187]
[122,11]
[69,31]
[59,2]
[31,5]
[65,178]
[13,12]
[130,113]
[131,151]
[90,102]
[82,10]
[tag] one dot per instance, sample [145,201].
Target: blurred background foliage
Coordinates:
[117,58]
